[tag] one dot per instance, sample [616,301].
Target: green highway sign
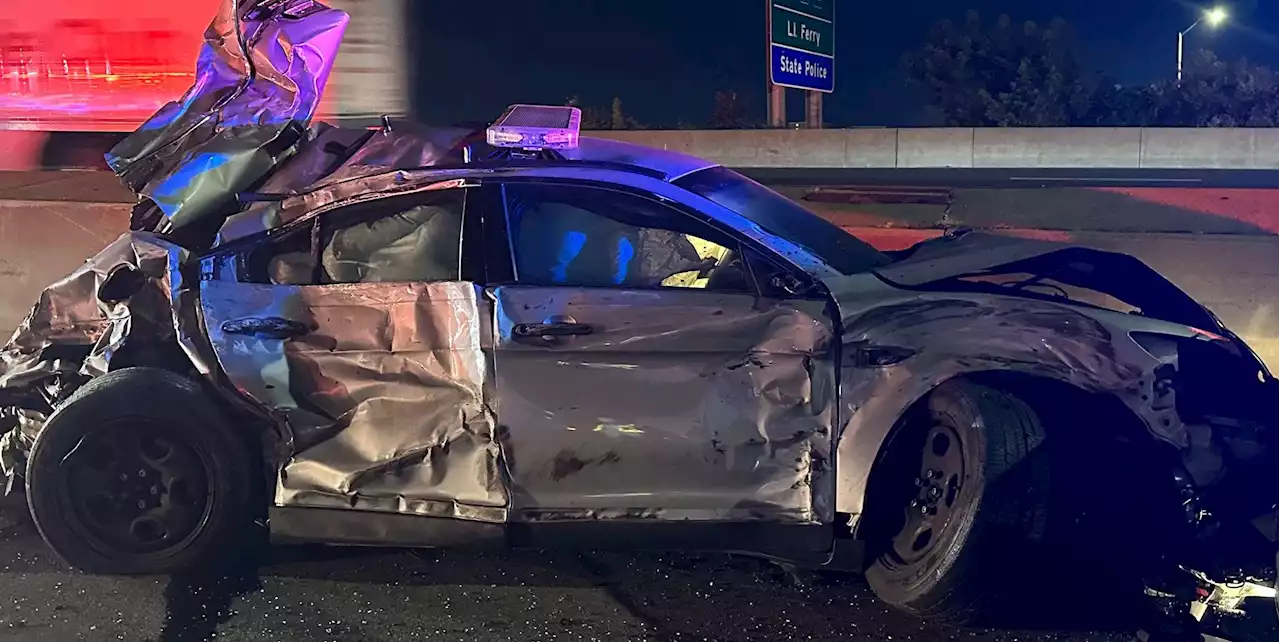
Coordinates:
[801,31]
[820,9]
[802,44]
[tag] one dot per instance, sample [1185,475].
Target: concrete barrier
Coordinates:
[1217,148]
[935,147]
[1055,147]
[43,241]
[959,147]
[966,147]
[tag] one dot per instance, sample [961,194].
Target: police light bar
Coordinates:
[536,127]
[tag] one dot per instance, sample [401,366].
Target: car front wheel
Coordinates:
[137,473]
[963,499]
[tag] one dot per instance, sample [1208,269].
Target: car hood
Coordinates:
[259,78]
[933,263]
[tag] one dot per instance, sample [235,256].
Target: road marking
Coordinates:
[1071,179]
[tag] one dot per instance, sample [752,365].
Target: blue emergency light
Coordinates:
[536,127]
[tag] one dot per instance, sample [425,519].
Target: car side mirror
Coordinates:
[789,283]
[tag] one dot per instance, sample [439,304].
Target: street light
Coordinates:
[1213,17]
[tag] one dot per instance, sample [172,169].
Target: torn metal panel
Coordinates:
[259,78]
[384,388]
[944,335]
[71,334]
[677,405]
[323,199]
[404,146]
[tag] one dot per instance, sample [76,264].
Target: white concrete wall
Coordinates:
[1013,147]
[1051,147]
[966,147]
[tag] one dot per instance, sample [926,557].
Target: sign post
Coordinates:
[801,54]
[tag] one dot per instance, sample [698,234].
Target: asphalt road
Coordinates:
[369,595]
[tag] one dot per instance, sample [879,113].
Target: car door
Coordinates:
[647,368]
[361,330]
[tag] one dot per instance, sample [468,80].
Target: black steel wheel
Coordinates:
[937,484]
[138,473]
[132,488]
[965,497]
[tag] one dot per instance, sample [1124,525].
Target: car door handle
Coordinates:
[268,327]
[551,330]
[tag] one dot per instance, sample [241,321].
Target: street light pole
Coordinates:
[1213,16]
[1181,34]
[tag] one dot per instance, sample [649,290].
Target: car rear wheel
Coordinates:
[963,498]
[137,473]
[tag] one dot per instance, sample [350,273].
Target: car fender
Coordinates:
[124,306]
[899,345]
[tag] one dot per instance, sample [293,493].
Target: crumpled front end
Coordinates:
[120,301]
[1202,403]
[259,79]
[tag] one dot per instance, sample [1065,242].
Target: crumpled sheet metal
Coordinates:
[734,423]
[313,176]
[318,201]
[954,334]
[386,400]
[71,333]
[405,146]
[259,78]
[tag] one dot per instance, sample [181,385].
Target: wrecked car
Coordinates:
[521,336]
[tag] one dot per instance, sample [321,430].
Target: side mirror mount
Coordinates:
[789,283]
[122,283]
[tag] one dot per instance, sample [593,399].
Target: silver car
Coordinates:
[521,337]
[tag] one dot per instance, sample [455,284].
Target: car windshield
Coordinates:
[783,217]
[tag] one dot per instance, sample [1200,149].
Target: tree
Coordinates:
[997,75]
[729,111]
[1001,75]
[597,118]
[592,117]
[1214,93]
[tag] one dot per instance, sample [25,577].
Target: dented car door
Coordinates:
[360,330]
[640,372]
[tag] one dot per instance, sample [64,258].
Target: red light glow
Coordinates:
[93,65]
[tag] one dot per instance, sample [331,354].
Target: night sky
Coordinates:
[667,58]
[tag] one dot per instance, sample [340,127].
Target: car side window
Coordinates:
[586,236]
[385,241]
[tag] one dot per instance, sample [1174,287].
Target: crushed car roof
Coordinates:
[246,125]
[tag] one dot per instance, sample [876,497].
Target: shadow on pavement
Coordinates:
[673,596]
[196,603]
[710,597]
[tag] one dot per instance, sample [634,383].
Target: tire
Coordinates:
[192,474]
[973,561]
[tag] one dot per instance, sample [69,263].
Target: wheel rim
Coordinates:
[932,506]
[132,489]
